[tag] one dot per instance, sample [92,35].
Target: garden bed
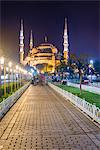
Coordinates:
[88,96]
[8,89]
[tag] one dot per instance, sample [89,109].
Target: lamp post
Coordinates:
[11,76]
[91,62]
[20,77]
[10,73]
[90,68]
[0,82]
[17,68]
[7,71]
[1,63]
[8,80]
[4,80]
[14,79]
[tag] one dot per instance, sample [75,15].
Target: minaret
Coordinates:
[65,42]
[45,39]
[21,43]
[31,41]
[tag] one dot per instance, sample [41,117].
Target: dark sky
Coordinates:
[47,18]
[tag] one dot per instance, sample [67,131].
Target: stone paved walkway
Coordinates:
[41,119]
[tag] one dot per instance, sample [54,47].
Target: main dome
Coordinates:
[46,48]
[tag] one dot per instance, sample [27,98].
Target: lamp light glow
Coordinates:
[10,64]
[91,61]
[2,60]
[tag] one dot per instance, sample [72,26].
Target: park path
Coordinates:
[42,119]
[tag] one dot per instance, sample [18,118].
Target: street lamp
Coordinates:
[90,68]
[17,74]
[2,64]
[10,64]
[14,79]
[7,71]
[11,76]
[20,77]
[10,73]
[91,62]
[2,60]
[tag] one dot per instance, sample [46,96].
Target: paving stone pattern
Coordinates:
[42,119]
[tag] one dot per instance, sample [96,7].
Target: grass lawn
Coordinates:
[88,96]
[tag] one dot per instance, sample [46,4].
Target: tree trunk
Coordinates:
[80,83]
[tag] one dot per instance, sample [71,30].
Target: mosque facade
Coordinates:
[45,56]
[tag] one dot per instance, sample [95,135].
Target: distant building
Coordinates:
[45,54]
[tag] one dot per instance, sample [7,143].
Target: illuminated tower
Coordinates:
[21,43]
[31,41]
[45,39]
[65,42]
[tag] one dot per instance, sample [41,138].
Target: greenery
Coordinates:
[88,96]
[76,66]
[8,89]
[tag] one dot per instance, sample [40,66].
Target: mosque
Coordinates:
[44,56]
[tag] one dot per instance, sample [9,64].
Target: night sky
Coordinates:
[47,18]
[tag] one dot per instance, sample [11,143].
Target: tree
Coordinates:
[62,67]
[79,65]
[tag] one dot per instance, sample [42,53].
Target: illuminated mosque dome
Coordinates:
[45,54]
[46,48]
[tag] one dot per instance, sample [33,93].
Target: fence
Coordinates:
[89,109]
[6,104]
